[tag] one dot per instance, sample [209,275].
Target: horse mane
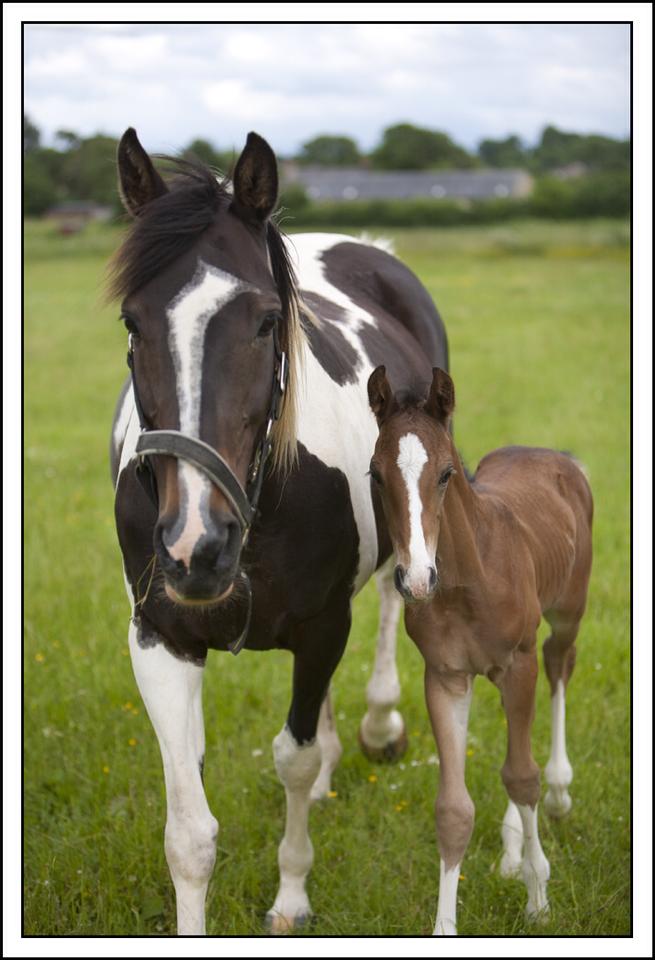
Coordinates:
[168,227]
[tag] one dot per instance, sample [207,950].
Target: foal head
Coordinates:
[411,466]
[204,281]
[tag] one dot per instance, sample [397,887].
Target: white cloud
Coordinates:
[291,81]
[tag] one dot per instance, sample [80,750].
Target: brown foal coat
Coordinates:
[512,544]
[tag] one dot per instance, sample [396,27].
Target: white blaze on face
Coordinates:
[412,457]
[188,317]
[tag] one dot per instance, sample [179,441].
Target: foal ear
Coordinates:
[255,180]
[138,181]
[380,397]
[441,399]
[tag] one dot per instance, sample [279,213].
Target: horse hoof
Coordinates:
[557,803]
[388,753]
[540,917]
[278,925]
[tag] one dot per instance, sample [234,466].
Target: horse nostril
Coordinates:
[432,578]
[399,578]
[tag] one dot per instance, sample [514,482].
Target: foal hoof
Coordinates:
[557,803]
[278,925]
[388,753]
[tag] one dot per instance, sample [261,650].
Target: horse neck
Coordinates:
[460,561]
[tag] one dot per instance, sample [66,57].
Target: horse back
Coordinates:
[547,495]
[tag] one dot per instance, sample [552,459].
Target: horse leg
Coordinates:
[172,693]
[559,660]
[318,646]
[520,773]
[331,749]
[448,706]
[382,733]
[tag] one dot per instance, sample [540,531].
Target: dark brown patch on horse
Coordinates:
[335,354]
[386,288]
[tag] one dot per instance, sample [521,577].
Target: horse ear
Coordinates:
[441,399]
[138,181]
[255,180]
[380,397]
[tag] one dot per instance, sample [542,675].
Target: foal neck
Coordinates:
[460,563]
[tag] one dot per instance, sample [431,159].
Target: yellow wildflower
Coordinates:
[372,778]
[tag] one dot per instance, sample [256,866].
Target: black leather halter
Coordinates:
[172,443]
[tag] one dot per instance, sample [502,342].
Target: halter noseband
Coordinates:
[172,443]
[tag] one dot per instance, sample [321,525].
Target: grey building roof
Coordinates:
[354,183]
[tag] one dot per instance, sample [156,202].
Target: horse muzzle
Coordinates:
[204,573]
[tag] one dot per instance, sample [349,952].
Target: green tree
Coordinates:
[406,147]
[558,148]
[88,170]
[509,152]
[330,151]
[205,151]
[31,135]
[39,189]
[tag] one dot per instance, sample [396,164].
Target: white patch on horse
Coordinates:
[123,419]
[412,457]
[321,401]
[188,317]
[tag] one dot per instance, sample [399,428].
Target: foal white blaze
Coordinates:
[188,317]
[412,457]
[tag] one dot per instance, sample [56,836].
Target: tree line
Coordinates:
[83,168]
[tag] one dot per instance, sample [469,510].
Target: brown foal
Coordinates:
[478,563]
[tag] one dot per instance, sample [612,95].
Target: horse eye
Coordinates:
[270,320]
[445,476]
[130,326]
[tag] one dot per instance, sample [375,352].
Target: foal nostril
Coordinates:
[432,578]
[399,579]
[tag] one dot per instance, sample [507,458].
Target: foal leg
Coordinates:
[382,733]
[448,706]
[172,693]
[318,646]
[512,836]
[520,773]
[331,749]
[559,660]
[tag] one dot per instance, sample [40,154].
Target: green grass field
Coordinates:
[538,321]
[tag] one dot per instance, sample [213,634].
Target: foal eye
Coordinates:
[375,474]
[270,321]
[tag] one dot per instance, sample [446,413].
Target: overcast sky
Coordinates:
[292,82]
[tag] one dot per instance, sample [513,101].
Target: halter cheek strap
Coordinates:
[172,443]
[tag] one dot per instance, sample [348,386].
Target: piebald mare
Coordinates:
[238,337]
[478,562]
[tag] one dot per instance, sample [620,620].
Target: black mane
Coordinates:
[168,227]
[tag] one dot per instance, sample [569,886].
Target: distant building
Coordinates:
[72,217]
[355,183]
